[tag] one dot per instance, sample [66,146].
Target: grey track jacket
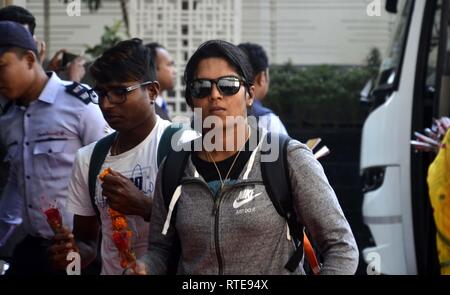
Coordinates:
[240,232]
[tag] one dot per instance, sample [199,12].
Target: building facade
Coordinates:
[311,32]
[304,32]
[181,26]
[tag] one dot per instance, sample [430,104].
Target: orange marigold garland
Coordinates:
[121,233]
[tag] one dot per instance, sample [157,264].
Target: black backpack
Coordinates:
[97,158]
[95,164]
[275,177]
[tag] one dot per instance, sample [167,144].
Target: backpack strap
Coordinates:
[97,158]
[173,168]
[171,175]
[164,145]
[172,172]
[279,190]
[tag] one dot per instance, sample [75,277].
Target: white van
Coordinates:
[412,88]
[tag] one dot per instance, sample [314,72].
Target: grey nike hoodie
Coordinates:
[240,232]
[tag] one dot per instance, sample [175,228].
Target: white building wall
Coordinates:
[305,32]
[181,26]
[309,32]
[76,32]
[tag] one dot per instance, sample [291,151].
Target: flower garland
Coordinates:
[121,233]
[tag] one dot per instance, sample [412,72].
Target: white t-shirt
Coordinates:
[139,165]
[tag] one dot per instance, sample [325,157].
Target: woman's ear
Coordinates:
[250,95]
[153,91]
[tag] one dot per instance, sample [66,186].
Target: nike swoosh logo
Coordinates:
[241,201]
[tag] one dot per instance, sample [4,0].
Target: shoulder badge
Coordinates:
[79,91]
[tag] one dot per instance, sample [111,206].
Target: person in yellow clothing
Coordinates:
[439,191]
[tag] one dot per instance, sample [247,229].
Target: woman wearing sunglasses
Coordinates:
[225,221]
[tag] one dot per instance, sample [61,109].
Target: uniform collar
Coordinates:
[51,89]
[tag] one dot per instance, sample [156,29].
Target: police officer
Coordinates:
[45,121]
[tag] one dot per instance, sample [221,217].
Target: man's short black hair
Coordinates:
[127,61]
[19,15]
[257,56]
[221,49]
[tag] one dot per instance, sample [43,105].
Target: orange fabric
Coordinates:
[311,255]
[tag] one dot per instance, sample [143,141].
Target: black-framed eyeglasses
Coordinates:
[115,95]
[227,85]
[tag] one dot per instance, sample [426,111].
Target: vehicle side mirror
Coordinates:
[365,96]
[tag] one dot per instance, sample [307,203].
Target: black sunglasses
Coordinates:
[228,85]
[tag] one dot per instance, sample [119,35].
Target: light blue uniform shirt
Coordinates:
[41,142]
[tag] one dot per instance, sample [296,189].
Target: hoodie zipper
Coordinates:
[215,212]
[216,231]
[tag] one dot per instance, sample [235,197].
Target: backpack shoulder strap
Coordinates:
[164,145]
[171,175]
[277,186]
[275,176]
[95,164]
[174,165]
[172,172]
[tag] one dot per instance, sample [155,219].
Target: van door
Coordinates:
[431,100]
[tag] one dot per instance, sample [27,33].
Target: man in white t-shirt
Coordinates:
[126,91]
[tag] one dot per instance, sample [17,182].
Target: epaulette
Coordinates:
[5,108]
[79,91]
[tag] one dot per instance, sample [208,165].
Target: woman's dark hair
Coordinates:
[127,61]
[19,15]
[221,49]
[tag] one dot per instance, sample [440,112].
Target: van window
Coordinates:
[434,47]
[390,66]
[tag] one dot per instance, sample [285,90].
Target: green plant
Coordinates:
[110,37]
[373,61]
[320,96]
